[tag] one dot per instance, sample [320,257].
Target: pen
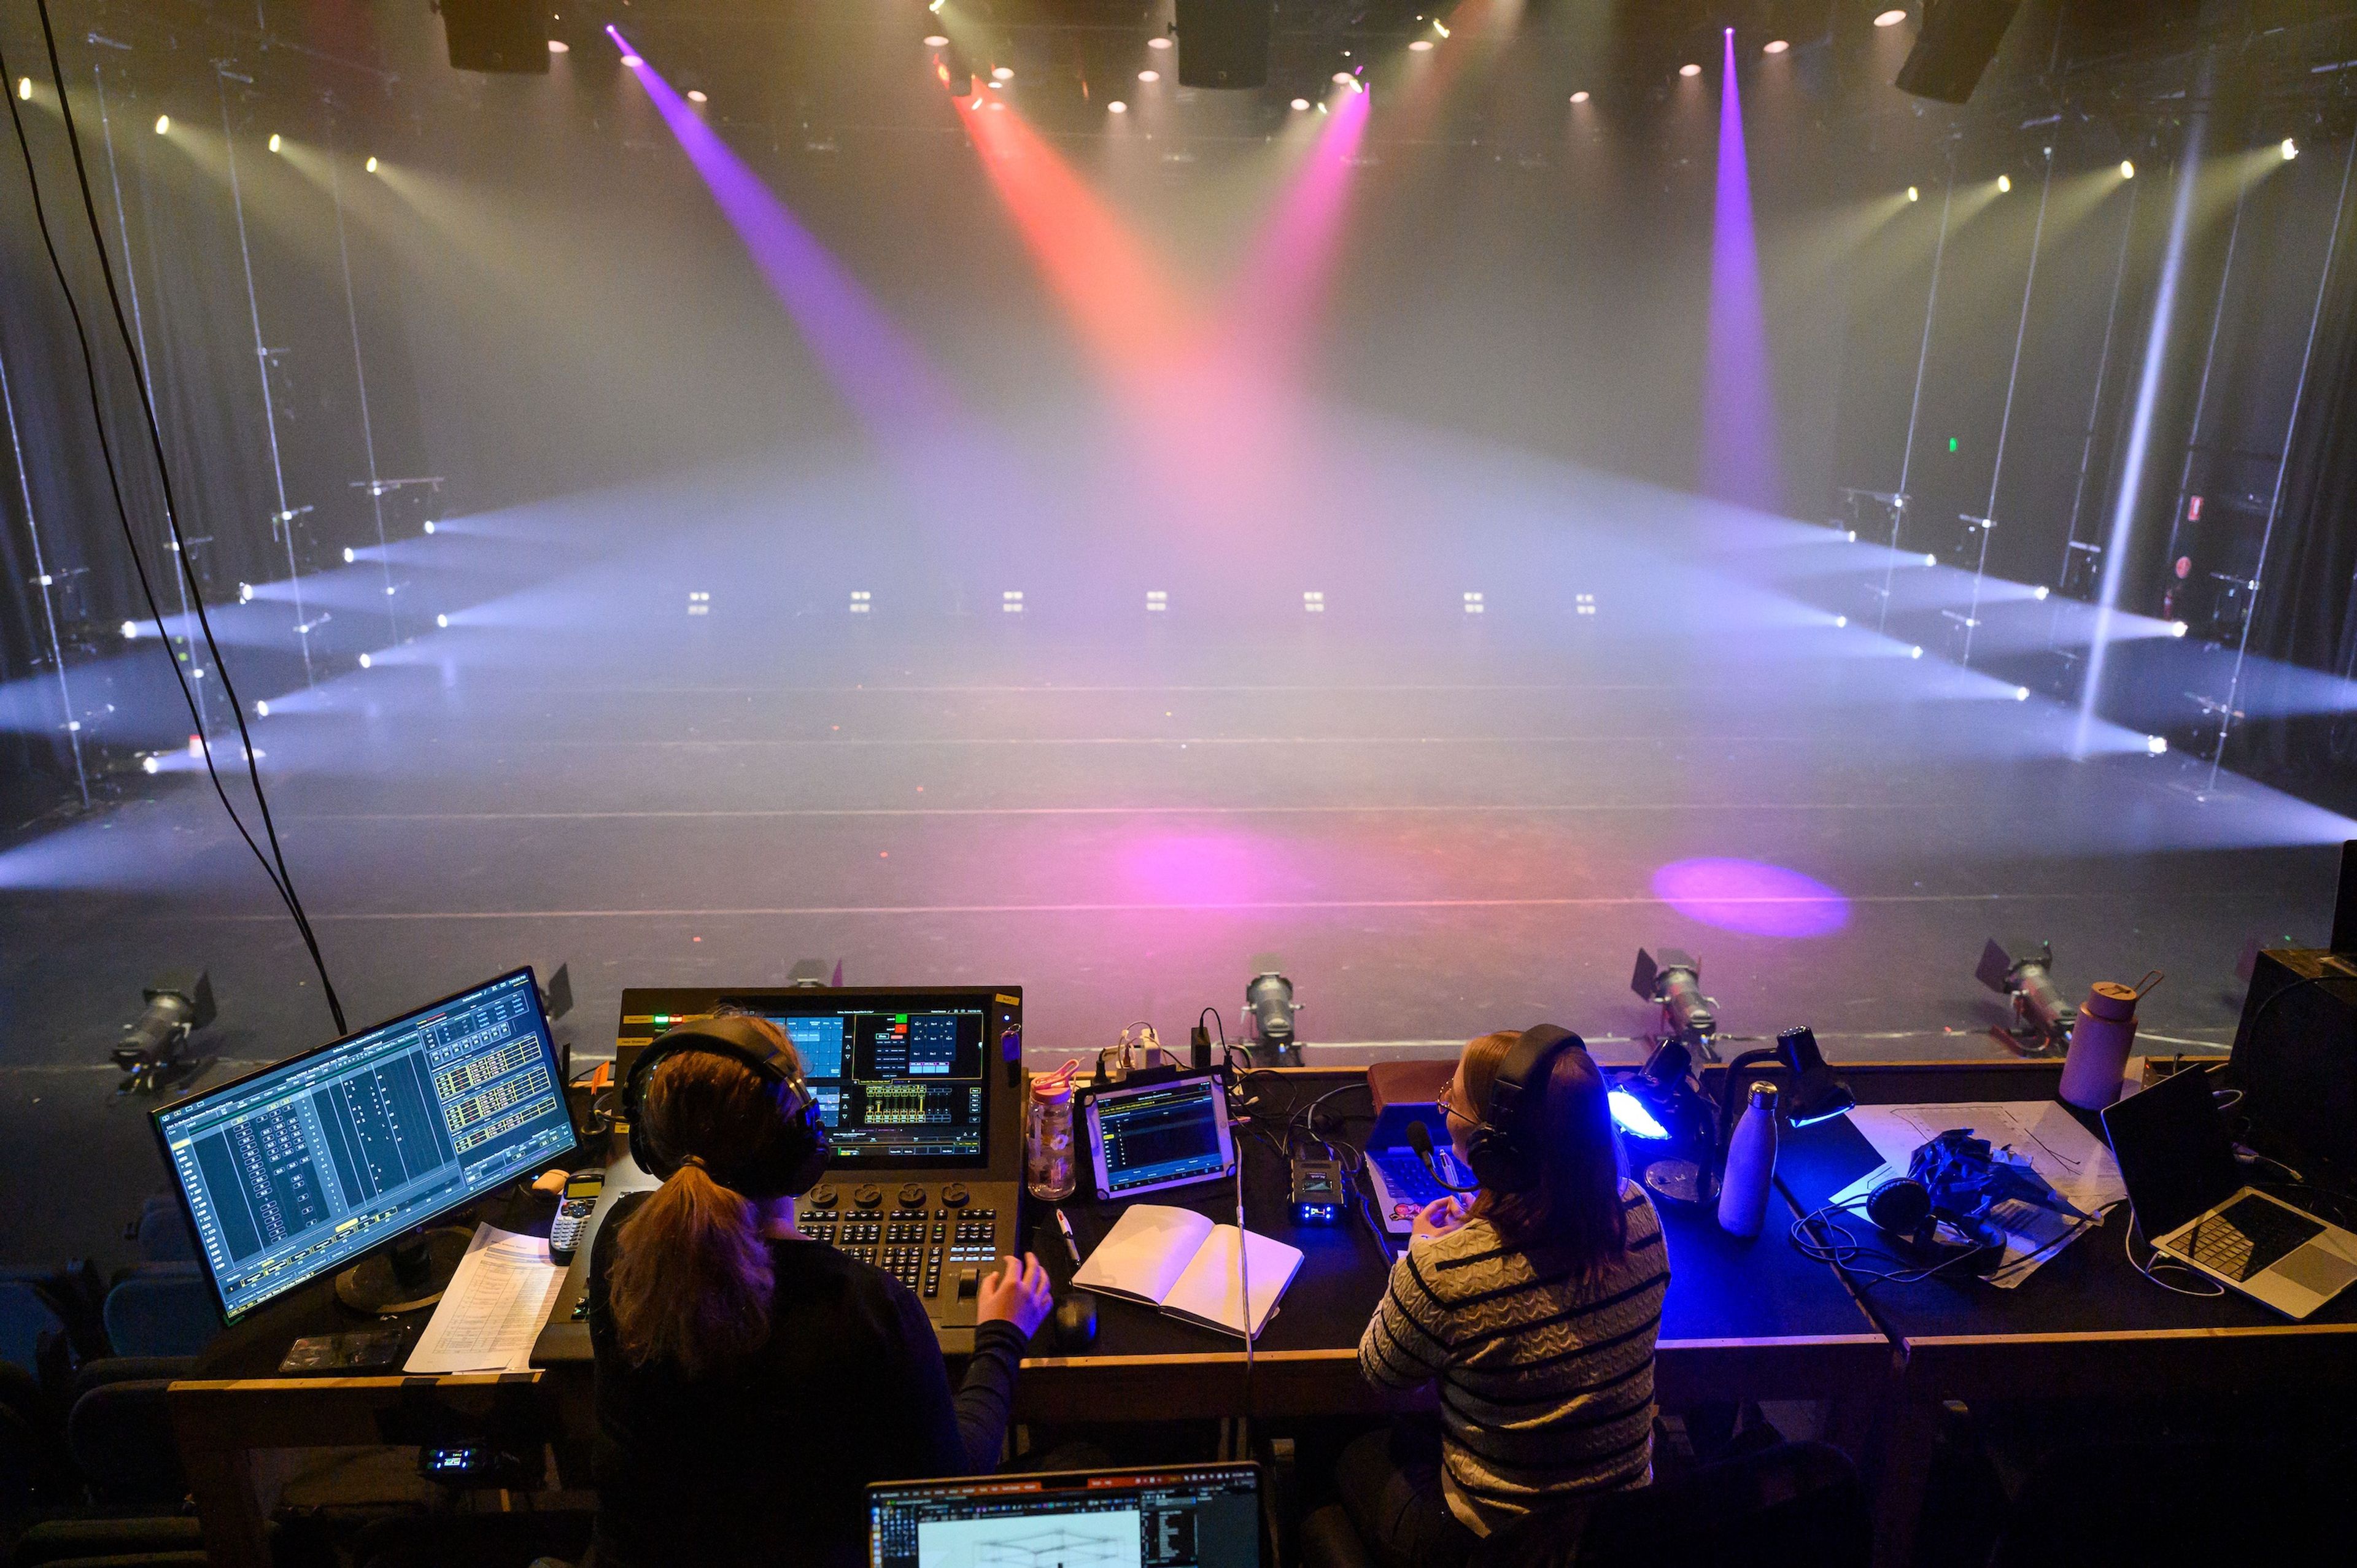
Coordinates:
[1071,1245]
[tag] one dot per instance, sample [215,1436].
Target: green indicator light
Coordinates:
[663,1018]
[1952,442]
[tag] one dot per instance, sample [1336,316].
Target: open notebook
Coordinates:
[1178,1260]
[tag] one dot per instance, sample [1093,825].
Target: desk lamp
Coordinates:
[1815,1094]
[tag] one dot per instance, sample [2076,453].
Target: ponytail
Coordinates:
[692,1278]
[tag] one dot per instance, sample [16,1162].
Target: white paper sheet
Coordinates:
[489,1318]
[2073,1160]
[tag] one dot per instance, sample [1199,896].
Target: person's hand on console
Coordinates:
[1018,1293]
[1437,1218]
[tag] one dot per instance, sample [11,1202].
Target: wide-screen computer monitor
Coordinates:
[295,1171]
[1192,1516]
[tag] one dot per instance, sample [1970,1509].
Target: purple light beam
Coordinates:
[1739,414]
[881,373]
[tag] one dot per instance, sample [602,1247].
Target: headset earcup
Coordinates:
[1491,1154]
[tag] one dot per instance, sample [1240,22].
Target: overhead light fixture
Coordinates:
[163,125]
[2003,183]
[2041,1018]
[1117,107]
[1581,96]
[1002,73]
[1421,46]
[1160,41]
[1673,983]
[631,62]
[1149,75]
[1913,194]
[1269,1008]
[2127,169]
[936,41]
[1343,78]
[1300,105]
[1891,18]
[1774,46]
[559,46]
[369,166]
[274,141]
[697,95]
[1690,69]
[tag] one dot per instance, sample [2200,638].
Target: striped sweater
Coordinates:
[1547,1387]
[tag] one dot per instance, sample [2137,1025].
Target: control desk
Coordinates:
[925,1113]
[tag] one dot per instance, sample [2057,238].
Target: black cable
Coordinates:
[281,878]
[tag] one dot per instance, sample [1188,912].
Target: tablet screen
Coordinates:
[1163,1134]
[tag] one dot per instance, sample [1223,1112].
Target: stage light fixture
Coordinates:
[179,1002]
[2042,1017]
[2290,149]
[2178,629]
[151,765]
[1668,1129]
[1421,46]
[274,143]
[631,62]
[1313,602]
[366,660]
[1149,75]
[429,525]
[2156,745]
[349,556]
[1915,652]
[245,592]
[1343,79]
[24,87]
[1269,1008]
[1301,105]
[2021,694]
[936,41]
[1840,621]
[163,125]
[1002,73]
[1117,107]
[369,166]
[1673,983]
[442,622]
[2127,169]
[1774,46]
[1160,41]
[1581,96]
[130,631]
[1690,69]
[697,95]
[2003,183]
[1158,601]
[1913,194]
[1891,18]
[261,709]
[559,46]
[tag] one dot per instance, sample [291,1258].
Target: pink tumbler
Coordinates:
[2101,1042]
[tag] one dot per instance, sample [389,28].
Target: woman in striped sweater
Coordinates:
[1534,1308]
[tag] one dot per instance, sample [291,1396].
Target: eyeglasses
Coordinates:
[1448,1108]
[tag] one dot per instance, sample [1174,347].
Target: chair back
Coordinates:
[120,1436]
[161,1309]
[1796,1505]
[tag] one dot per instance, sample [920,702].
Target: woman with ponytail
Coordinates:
[751,1383]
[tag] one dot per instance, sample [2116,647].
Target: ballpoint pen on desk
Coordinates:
[1071,1244]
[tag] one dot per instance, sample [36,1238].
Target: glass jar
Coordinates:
[1047,1138]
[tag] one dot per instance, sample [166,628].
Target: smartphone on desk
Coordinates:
[573,1210]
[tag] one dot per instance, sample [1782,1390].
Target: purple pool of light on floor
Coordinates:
[1195,868]
[1751,896]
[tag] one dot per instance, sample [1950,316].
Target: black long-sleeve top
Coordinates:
[764,1462]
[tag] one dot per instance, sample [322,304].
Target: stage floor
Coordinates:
[1443,823]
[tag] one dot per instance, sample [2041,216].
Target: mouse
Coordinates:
[1075,1322]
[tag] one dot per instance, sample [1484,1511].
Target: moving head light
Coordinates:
[2042,1019]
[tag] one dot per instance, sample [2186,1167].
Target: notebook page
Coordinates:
[1144,1252]
[1207,1291]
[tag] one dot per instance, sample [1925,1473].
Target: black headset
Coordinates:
[1903,1210]
[1504,1149]
[798,1158]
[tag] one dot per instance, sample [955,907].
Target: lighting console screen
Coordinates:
[896,1089]
[296,1170]
[1200,1517]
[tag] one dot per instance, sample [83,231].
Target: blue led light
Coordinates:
[1629,1114]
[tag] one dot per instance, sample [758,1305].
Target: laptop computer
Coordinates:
[1201,1516]
[2189,1197]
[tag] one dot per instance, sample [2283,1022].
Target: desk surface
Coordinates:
[2089,1290]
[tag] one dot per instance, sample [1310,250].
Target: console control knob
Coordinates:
[868,1197]
[823,1196]
[912,1197]
[954,1195]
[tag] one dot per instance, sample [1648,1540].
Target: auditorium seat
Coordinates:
[1796,1505]
[162,1231]
[49,1298]
[161,1309]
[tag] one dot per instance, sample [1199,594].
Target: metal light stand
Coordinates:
[43,581]
[2275,502]
[1987,520]
[282,522]
[2076,549]
[359,378]
[1915,408]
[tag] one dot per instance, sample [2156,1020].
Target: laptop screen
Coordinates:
[2175,1156]
[1194,1516]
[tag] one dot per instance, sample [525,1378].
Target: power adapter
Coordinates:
[1317,1191]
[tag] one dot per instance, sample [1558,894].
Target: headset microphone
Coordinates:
[1419,1138]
